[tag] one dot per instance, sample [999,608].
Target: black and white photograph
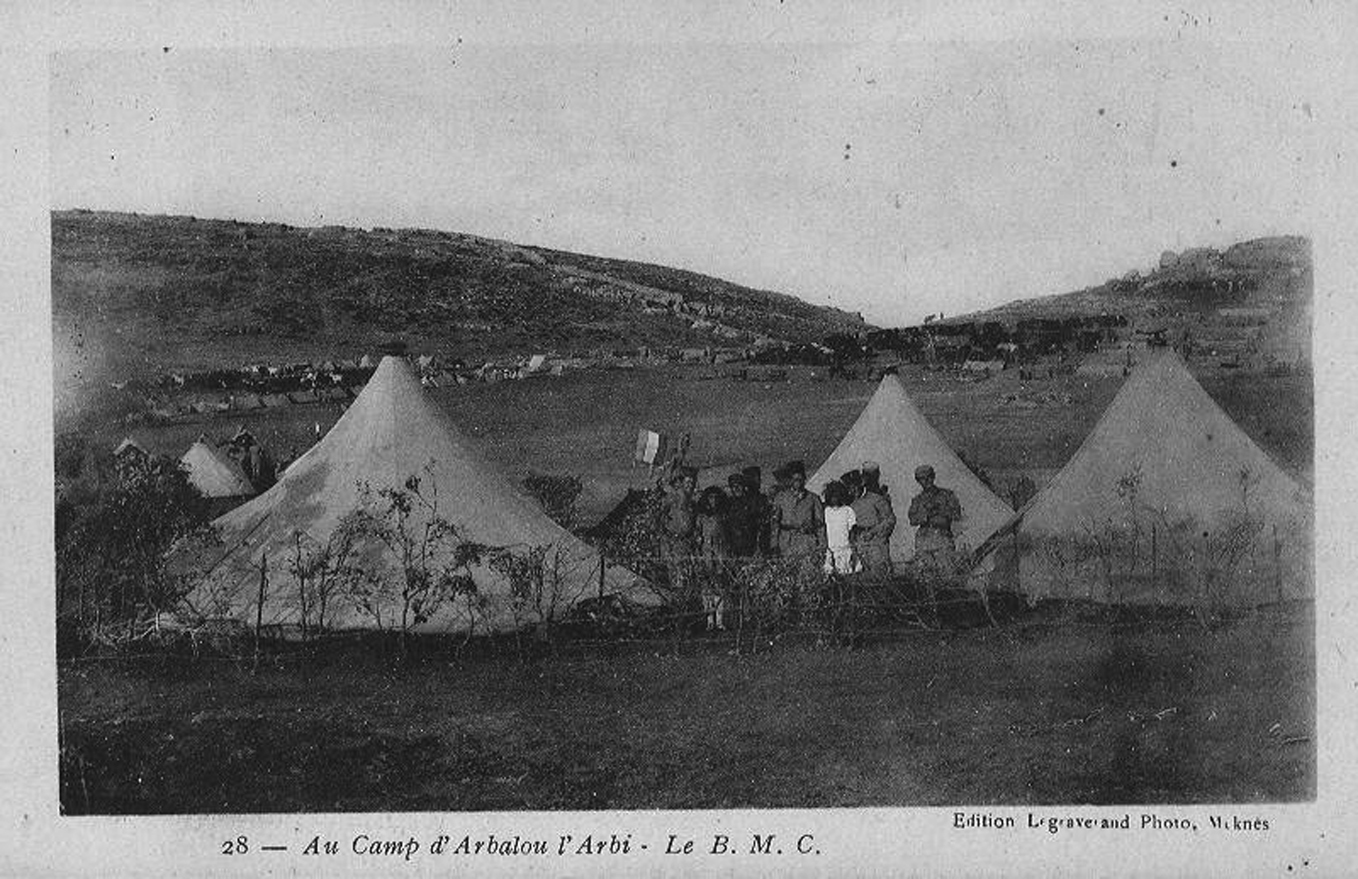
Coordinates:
[619,422]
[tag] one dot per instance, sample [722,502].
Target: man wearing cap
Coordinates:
[798,517]
[876,522]
[933,512]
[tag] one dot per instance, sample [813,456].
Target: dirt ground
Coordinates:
[1055,707]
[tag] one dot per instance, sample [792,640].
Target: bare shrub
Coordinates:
[321,572]
[432,562]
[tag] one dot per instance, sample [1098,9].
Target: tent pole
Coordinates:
[1155,558]
[1207,583]
[1018,582]
[1277,563]
[601,574]
[259,606]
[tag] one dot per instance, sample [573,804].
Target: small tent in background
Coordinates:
[213,473]
[391,433]
[129,446]
[897,436]
[1167,501]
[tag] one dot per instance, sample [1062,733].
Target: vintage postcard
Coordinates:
[786,440]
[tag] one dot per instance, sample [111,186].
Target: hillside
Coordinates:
[1254,296]
[134,294]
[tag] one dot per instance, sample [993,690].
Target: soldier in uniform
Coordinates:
[876,522]
[798,516]
[933,512]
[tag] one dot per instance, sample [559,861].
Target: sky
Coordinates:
[897,178]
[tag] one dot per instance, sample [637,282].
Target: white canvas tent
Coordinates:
[129,445]
[391,433]
[894,433]
[1167,501]
[213,473]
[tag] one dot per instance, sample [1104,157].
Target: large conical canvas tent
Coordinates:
[894,433]
[291,538]
[213,473]
[1167,501]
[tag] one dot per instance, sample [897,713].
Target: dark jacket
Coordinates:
[743,524]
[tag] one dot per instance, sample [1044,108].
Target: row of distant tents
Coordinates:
[321,377]
[1164,492]
[249,401]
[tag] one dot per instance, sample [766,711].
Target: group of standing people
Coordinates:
[845,531]
[849,526]
[713,527]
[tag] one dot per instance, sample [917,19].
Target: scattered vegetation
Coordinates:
[638,721]
[116,520]
[431,561]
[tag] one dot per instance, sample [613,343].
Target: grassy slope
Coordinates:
[133,295]
[1278,283]
[1165,291]
[1053,712]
